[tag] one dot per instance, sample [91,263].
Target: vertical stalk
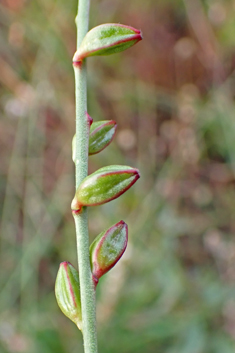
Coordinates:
[81,220]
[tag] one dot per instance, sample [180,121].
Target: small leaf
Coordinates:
[107,39]
[104,185]
[67,293]
[107,248]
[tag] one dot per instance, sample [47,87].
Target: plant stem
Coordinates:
[87,288]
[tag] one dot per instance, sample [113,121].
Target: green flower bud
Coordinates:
[67,292]
[107,248]
[101,135]
[104,185]
[107,39]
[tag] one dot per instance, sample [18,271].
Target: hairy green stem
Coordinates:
[87,288]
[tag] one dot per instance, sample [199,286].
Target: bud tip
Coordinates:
[89,119]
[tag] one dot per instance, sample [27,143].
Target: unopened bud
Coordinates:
[104,185]
[107,248]
[67,293]
[101,135]
[107,39]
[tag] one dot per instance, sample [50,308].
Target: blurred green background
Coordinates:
[172,96]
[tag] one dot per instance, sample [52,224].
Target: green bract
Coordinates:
[101,135]
[107,39]
[67,293]
[104,185]
[107,248]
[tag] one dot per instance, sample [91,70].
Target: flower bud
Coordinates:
[107,39]
[67,293]
[108,248]
[104,185]
[101,135]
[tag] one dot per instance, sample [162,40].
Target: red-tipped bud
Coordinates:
[104,185]
[107,249]
[107,39]
[67,293]
[101,135]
